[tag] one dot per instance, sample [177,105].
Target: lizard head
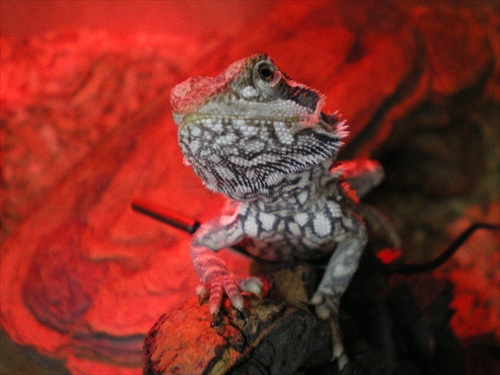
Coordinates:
[248,129]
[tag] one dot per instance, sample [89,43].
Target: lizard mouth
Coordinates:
[209,120]
[193,93]
[249,89]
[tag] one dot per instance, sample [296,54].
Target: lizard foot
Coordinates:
[326,305]
[327,309]
[231,286]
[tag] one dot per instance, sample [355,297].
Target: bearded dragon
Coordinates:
[261,138]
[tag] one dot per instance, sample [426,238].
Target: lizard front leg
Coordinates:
[361,175]
[339,272]
[212,270]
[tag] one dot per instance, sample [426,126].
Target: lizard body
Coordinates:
[262,139]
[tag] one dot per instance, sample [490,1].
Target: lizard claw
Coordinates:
[231,286]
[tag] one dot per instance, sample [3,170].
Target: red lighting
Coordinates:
[86,128]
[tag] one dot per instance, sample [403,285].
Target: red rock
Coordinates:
[457,48]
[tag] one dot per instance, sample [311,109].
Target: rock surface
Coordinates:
[185,341]
[395,325]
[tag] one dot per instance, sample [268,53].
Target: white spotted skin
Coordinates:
[261,139]
[308,232]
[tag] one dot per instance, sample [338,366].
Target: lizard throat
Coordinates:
[249,159]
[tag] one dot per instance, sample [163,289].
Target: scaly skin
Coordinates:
[261,139]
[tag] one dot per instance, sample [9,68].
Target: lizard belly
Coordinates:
[286,250]
[306,235]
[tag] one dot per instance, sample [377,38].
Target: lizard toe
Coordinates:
[252,285]
[234,295]
[216,293]
[202,293]
[326,305]
[323,312]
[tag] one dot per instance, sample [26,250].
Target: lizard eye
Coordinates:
[266,80]
[266,72]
